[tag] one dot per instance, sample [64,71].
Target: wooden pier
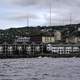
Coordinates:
[34,50]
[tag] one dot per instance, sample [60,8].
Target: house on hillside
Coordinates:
[48,38]
[57,36]
[37,39]
[74,37]
[22,40]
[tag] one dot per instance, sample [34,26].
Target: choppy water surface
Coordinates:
[40,69]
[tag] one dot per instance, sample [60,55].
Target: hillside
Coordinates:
[10,34]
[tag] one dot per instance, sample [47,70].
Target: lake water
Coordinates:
[40,69]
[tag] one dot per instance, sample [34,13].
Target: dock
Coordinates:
[36,50]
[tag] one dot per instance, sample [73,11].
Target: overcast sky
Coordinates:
[15,13]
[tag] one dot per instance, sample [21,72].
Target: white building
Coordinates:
[61,50]
[57,35]
[22,40]
[48,39]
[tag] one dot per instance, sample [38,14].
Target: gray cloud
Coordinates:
[61,6]
[22,16]
[57,3]
[38,10]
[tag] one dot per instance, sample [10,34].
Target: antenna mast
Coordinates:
[70,18]
[50,13]
[28,21]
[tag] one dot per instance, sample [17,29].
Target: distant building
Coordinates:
[22,40]
[57,35]
[48,39]
[78,28]
[73,39]
[36,39]
[78,39]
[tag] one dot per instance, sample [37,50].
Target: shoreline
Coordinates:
[40,55]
